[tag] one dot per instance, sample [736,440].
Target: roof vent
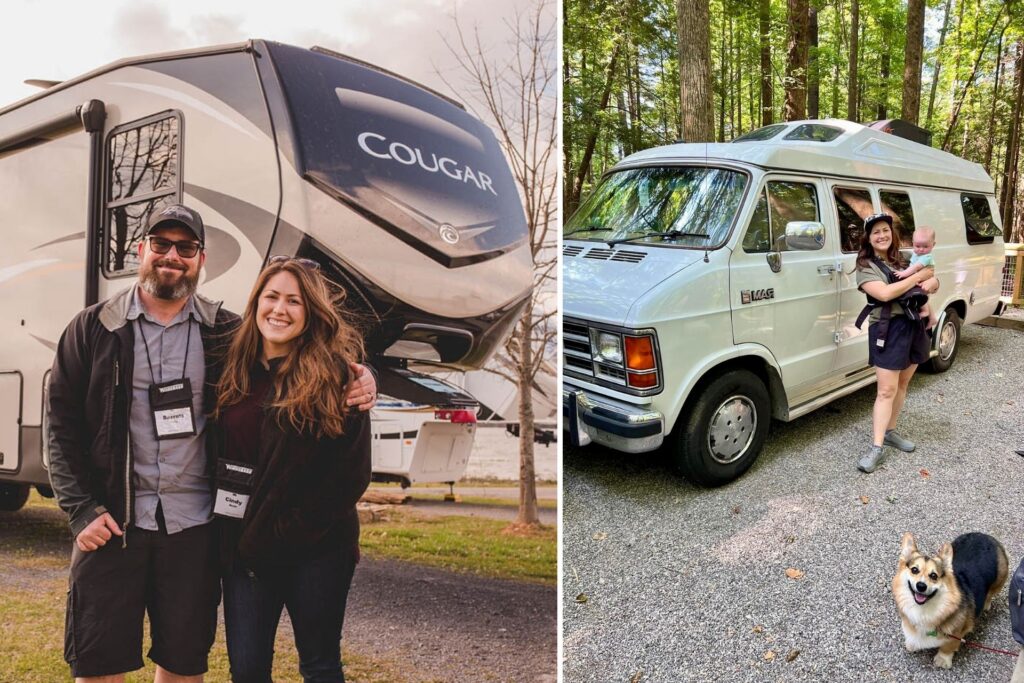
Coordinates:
[903,129]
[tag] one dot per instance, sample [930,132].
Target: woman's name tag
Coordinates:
[234,482]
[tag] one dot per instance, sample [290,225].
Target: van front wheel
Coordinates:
[724,430]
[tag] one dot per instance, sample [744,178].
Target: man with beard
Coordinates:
[129,391]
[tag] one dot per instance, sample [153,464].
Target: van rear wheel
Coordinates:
[724,430]
[947,342]
[13,496]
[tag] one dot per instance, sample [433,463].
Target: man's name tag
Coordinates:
[174,422]
[230,504]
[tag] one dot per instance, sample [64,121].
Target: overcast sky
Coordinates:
[59,39]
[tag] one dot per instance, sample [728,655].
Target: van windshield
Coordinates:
[696,204]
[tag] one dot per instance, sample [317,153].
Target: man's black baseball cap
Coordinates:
[178,214]
[874,218]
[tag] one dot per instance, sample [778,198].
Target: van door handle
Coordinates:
[827,269]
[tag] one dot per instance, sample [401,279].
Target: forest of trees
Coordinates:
[640,73]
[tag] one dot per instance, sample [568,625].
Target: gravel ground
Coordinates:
[663,581]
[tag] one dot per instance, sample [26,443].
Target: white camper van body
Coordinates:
[744,329]
[404,198]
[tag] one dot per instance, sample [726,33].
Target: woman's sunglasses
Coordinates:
[308,263]
[185,248]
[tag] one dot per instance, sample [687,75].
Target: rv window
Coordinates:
[696,202]
[981,229]
[814,132]
[765,133]
[143,159]
[788,202]
[852,207]
[897,205]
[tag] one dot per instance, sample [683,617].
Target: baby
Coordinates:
[924,242]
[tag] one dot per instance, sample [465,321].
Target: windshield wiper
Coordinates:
[663,235]
[594,229]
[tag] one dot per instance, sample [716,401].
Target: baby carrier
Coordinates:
[911,301]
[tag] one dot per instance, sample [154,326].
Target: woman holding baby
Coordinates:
[897,335]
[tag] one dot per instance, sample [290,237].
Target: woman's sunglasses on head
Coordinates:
[308,263]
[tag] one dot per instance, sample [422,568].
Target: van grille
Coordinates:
[577,358]
[602,254]
[571,250]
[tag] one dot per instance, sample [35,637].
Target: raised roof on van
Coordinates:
[858,152]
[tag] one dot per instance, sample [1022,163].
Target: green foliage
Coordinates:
[643,107]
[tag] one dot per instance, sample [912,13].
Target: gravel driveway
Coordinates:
[667,582]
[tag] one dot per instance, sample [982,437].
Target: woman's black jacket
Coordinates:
[304,493]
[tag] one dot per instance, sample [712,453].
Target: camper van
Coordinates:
[710,287]
[403,197]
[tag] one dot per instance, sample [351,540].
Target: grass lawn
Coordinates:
[545,503]
[465,544]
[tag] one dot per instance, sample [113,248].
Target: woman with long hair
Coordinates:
[292,461]
[897,341]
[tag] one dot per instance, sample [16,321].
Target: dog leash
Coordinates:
[978,646]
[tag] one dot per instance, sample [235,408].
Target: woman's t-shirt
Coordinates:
[872,273]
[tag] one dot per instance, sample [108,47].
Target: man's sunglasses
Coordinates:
[308,263]
[185,248]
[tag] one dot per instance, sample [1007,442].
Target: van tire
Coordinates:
[948,342]
[735,394]
[13,496]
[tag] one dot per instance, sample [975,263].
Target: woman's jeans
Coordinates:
[314,593]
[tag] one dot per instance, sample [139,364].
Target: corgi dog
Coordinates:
[939,597]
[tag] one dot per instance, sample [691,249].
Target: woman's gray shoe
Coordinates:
[870,462]
[896,441]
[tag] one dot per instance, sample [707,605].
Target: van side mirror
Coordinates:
[805,235]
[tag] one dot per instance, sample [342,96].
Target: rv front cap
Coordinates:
[874,218]
[178,214]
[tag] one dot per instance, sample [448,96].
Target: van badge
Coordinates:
[448,233]
[748,296]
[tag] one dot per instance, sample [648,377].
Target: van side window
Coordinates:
[852,207]
[780,203]
[143,176]
[981,229]
[897,205]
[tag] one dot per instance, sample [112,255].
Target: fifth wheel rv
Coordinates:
[710,288]
[403,197]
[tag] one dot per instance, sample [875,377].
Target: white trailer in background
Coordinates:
[404,198]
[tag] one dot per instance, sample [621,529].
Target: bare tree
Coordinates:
[519,99]
[695,93]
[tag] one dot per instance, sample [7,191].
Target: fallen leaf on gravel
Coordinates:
[735,509]
[925,473]
[581,598]
[891,500]
[938,398]
[637,677]
[790,539]
[793,654]
[795,573]
[600,535]
[864,500]
[770,656]
[758,628]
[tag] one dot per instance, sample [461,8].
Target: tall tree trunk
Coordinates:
[990,138]
[912,62]
[636,108]
[624,136]
[1007,197]
[813,65]
[695,98]
[796,62]
[938,64]
[764,21]
[836,65]
[722,66]
[851,102]
[595,128]
[882,110]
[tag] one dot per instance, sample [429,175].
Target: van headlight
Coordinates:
[606,346]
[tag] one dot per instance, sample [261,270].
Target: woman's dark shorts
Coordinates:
[906,344]
[172,577]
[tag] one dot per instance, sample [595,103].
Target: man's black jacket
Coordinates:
[90,402]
